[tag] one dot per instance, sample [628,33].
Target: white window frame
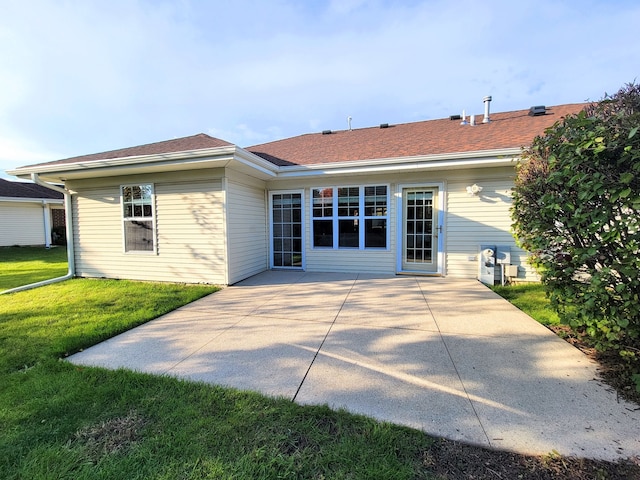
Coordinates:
[271,194]
[442,209]
[126,219]
[361,217]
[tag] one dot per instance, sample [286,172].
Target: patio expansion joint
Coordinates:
[186,357]
[455,368]
[295,395]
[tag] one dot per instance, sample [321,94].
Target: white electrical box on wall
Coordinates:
[503,254]
[487,261]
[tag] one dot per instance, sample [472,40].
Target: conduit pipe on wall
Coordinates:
[69,232]
[46,220]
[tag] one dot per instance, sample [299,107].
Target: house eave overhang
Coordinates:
[242,160]
[227,156]
[449,161]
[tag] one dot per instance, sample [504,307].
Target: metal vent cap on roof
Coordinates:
[537,110]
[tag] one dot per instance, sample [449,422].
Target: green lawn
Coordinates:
[62,421]
[24,265]
[531,299]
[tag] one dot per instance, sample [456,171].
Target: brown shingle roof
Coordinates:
[26,190]
[194,142]
[506,130]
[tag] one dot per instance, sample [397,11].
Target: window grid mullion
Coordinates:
[376,219]
[361,229]
[336,233]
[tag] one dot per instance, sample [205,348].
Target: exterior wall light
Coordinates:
[474,189]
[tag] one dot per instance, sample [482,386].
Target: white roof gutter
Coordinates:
[447,161]
[202,156]
[49,201]
[70,250]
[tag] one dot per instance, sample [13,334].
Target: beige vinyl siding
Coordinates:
[468,221]
[97,232]
[21,224]
[480,219]
[247,228]
[193,224]
[347,260]
[190,230]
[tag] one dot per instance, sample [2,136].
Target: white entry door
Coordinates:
[420,229]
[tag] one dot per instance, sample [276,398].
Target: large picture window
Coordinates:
[137,216]
[350,217]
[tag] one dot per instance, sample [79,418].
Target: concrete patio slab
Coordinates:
[402,376]
[262,354]
[158,346]
[443,355]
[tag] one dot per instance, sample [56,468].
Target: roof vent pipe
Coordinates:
[487,101]
[349,122]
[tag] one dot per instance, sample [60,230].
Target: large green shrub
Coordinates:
[576,210]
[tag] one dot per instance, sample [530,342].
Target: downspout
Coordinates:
[46,219]
[69,232]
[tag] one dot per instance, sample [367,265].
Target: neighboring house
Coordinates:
[415,198]
[29,213]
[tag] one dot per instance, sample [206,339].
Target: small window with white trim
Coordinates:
[138,218]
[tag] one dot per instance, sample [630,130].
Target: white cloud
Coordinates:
[243,135]
[87,76]
[17,153]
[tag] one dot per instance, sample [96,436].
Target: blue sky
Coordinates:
[85,76]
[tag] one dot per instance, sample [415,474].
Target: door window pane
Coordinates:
[287,229]
[419,227]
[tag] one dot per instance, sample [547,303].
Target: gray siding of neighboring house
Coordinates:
[190,229]
[21,223]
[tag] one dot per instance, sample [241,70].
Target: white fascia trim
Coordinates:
[202,154]
[381,165]
[39,201]
[228,153]
[483,158]
[247,158]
